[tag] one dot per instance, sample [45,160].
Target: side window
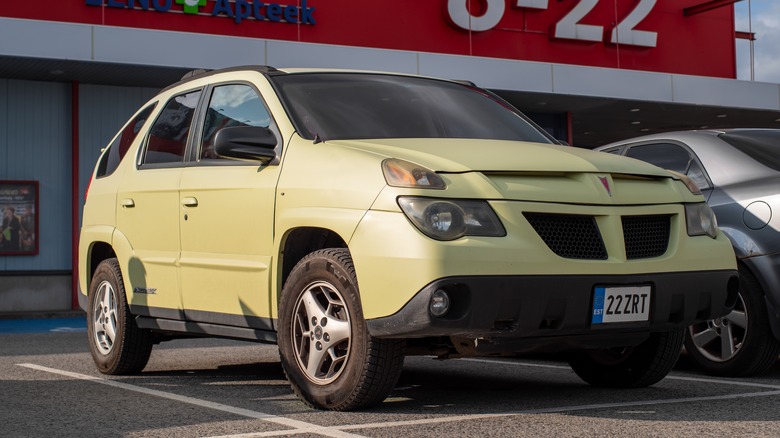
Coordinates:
[231,105]
[664,155]
[168,136]
[118,148]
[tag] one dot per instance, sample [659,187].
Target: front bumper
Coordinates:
[514,307]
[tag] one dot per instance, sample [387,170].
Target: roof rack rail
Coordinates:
[193,73]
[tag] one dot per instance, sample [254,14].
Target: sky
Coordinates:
[766,24]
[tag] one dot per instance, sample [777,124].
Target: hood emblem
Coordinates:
[605,182]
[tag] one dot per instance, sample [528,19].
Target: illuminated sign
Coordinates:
[238,10]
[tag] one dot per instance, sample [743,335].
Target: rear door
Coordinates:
[148,210]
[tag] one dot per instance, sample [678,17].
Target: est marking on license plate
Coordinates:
[621,304]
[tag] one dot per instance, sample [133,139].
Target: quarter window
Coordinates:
[231,105]
[168,136]
[118,148]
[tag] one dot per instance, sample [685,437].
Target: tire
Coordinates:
[117,345]
[630,367]
[330,359]
[739,344]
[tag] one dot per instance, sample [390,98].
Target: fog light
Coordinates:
[440,303]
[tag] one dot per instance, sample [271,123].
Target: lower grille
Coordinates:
[569,236]
[646,236]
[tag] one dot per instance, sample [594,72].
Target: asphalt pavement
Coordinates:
[221,388]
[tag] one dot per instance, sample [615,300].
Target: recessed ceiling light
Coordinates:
[704,126]
[645,129]
[635,123]
[777,120]
[721,116]
[634,110]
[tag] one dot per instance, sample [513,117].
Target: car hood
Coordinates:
[487,156]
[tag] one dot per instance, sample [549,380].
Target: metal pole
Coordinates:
[752,47]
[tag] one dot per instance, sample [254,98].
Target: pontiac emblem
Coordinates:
[605,182]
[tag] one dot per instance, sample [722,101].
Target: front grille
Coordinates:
[569,236]
[646,236]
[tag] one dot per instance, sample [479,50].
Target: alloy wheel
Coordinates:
[321,333]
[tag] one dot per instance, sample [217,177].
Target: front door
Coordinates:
[226,211]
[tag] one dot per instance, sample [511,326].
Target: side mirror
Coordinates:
[253,143]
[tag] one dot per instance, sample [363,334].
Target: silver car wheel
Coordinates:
[104,317]
[720,339]
[321,333]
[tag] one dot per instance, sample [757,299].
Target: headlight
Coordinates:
[450,219]
[400,173]
[701,220]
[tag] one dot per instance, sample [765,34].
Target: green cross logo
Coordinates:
[191,6]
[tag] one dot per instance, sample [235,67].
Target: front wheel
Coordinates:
[328,355]
[630,367]
[117,345]
[740,343]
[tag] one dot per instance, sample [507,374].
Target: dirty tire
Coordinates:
[117,345]
[739,344]
[630,367]
[330,359]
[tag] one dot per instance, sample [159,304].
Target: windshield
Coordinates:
[341,106]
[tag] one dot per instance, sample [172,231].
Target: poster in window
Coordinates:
[19,209]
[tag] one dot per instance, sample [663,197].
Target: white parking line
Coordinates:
[689,379]
[298,427]
[554,410]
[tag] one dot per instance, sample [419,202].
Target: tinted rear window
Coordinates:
[372,106]
[762,145]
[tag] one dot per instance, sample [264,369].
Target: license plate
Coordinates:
[621,304]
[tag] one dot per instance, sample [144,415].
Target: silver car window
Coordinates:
[665,155]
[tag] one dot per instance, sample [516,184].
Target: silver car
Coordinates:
[738,171]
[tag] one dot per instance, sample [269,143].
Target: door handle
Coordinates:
[127,203]
[189,201]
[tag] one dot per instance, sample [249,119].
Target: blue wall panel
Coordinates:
[103,111]
[35,145]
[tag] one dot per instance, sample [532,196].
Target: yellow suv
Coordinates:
[356,217]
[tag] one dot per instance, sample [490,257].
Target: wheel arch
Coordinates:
[298,242]
[772,307]
[98,252]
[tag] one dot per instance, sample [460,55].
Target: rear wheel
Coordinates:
[740,343]
[117,345]
[328,355]
[630,367]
